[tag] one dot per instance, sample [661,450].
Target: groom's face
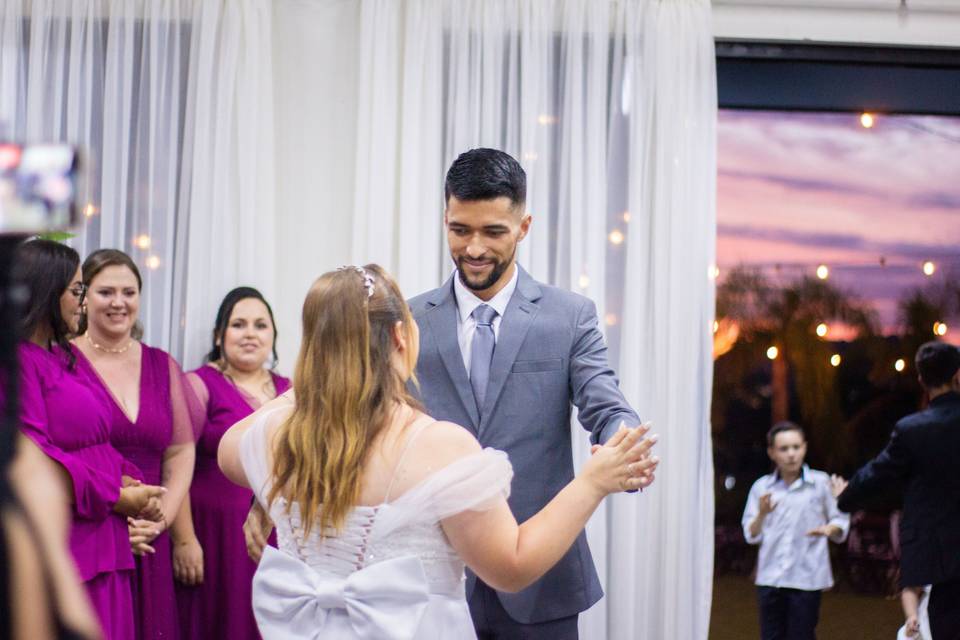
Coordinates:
[483,237]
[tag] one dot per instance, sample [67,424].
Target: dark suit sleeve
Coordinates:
[883,475]
[593,385]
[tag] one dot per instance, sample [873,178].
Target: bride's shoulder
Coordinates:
[447,441]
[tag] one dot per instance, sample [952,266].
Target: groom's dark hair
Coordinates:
[486,174]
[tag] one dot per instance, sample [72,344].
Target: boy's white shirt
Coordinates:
[788,556]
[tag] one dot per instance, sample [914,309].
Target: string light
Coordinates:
[546,119]
[867,120]
[626,216]
[800,268]
[153,262]
[142,241]
[899,365]
[610,319]
[530,155]
[616,237]
[823,272]
[835,360]
[822,329]
[939,328]
[772,353]
[716,326]
[929,268]
[584,281]
[713,272]
[89,211]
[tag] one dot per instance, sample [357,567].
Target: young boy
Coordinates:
[791,513]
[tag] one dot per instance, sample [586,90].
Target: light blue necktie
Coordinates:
[481,351]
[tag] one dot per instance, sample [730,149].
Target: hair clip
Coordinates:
[367,278]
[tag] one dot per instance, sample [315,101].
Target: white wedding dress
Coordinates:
[390,574]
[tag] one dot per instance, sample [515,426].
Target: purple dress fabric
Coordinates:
[162,420]
[67,414]
[221,606]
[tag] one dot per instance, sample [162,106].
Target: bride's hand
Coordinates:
[623,463]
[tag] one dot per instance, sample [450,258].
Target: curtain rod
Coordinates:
[892,6]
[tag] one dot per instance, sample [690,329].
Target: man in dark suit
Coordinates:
[921,461]
[506,357]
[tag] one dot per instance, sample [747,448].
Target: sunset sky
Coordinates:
[799,189]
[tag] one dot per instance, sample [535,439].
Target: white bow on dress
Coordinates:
[382,601]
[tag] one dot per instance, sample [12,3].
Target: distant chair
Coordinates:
[872,559]
[732,554]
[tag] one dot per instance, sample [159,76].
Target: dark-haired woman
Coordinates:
[68,416]
[210,556]
[152,429]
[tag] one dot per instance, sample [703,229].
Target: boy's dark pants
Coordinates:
[788,614]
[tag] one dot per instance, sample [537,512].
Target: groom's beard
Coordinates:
[499,268]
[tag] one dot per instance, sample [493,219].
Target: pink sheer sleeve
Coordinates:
[188,404]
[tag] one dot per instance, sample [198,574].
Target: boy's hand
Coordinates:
[837,485]
[766,504]
[826,530]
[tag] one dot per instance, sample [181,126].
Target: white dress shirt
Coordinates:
[788,556]
[467,302]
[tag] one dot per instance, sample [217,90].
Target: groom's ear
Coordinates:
[525,226]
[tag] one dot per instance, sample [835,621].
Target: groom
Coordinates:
[507,357]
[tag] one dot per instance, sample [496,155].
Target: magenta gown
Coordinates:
[67,414]
[163,420]
[221,606]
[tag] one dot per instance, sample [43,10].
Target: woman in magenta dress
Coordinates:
[68,416]
[150,414]
[210,556]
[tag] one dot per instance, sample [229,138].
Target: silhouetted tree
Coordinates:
[786,316]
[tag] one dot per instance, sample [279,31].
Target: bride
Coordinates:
[377,506]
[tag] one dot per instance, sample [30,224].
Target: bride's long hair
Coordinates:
[347,390]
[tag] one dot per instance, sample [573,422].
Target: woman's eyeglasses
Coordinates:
[78,291]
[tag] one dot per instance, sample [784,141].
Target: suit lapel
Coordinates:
[520,314]
[443,326]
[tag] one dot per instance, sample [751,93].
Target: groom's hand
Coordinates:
[256,530]
[647,474]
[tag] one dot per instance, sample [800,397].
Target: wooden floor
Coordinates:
[843,615]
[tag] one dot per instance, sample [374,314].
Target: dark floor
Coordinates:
[844,615]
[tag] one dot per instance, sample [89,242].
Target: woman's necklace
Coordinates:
[100,347]
[267,391]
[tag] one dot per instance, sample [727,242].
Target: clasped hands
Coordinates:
[145,518]
[624,462]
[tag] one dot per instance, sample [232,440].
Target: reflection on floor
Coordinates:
[843,615]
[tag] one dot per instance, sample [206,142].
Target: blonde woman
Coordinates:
[378,507]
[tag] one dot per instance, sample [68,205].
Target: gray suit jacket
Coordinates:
[549,356]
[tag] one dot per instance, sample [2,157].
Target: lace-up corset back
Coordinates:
[390,573]
[372,534]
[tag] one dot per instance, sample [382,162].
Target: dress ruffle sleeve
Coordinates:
[475,482]
[95,490]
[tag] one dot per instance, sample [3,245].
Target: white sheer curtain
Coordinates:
[170,104]
[611,108]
